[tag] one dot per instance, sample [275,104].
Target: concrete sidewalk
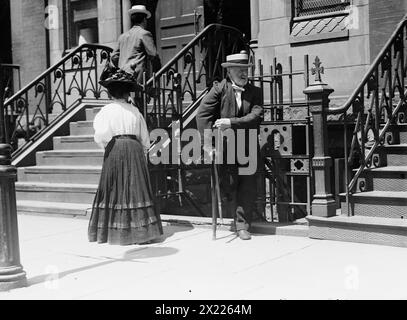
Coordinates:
[61,264]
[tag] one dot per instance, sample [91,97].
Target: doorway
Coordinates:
[5,32]
[178,21]
[234,13]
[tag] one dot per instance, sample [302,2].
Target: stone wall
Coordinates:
[345,59]
[384,16]
[28,33]
[28,38]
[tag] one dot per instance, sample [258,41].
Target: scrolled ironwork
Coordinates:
[39,88]
[376,104]
[90,54]
[198,64]
[377,160]
[58,74]
[188,59]
[401,118]
[74,77]
[362,185]
[104,55]
[390,139]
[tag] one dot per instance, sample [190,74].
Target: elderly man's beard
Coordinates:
[238,81]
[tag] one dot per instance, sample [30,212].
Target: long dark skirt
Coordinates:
[123,211]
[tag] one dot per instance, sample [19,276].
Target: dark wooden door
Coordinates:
[178,21]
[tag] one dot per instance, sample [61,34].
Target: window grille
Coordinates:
[315,7]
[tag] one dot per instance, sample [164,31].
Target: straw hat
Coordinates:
[237,60]
[140,9]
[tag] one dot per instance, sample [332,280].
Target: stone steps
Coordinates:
[75,143]
[383,204]
[394,155]
[68,174]
[391,178]
[400,132]
[56,192]
[370,230]
[60,174]
[81,128]
[70,157]
[53,208]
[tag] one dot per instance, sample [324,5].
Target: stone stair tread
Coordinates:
[76,151]
[388,169]
[62,168]
[379,194]
[362,220]
[84,122]
[400,145]
[63,209]
[55,186]
[77,138]
[48,204]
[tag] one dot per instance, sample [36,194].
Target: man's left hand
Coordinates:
[222,124]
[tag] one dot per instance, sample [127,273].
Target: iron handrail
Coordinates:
[372,69]
[191,44]
[54,68]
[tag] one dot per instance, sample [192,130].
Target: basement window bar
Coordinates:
[317,7]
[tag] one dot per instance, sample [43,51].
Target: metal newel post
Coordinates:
[323,204]
[12,274]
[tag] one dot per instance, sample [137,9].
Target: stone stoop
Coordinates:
[65,179]
[377,211]
[369,230]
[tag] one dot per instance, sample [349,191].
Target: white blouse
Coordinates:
[119,118]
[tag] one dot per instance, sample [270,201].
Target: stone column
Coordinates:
[255,23]
[126,5]
[323,204]
[12,274]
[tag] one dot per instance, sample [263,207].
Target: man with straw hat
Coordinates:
[234,104]
[136,52]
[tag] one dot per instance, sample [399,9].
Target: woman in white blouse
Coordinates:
[123,211]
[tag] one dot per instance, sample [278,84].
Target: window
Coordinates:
[314,7]
[81,22]
[319,20]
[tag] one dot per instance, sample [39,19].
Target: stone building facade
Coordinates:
[346,38]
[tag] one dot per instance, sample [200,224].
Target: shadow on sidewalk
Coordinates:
[129,256]
[172,229]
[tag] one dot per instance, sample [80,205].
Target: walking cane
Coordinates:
[217,186]
[216,191]
[213,196]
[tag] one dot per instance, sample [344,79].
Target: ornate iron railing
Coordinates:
[10,79]
[285,141]
[190,73]
[172,96]
[74,77]
[375,106]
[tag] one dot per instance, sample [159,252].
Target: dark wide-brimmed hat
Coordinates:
[237,60]
[117,76]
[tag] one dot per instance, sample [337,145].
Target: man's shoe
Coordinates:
[244,235]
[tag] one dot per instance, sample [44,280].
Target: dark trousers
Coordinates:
[238,195]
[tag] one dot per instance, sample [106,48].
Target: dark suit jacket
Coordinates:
[136,53]
[220,102]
